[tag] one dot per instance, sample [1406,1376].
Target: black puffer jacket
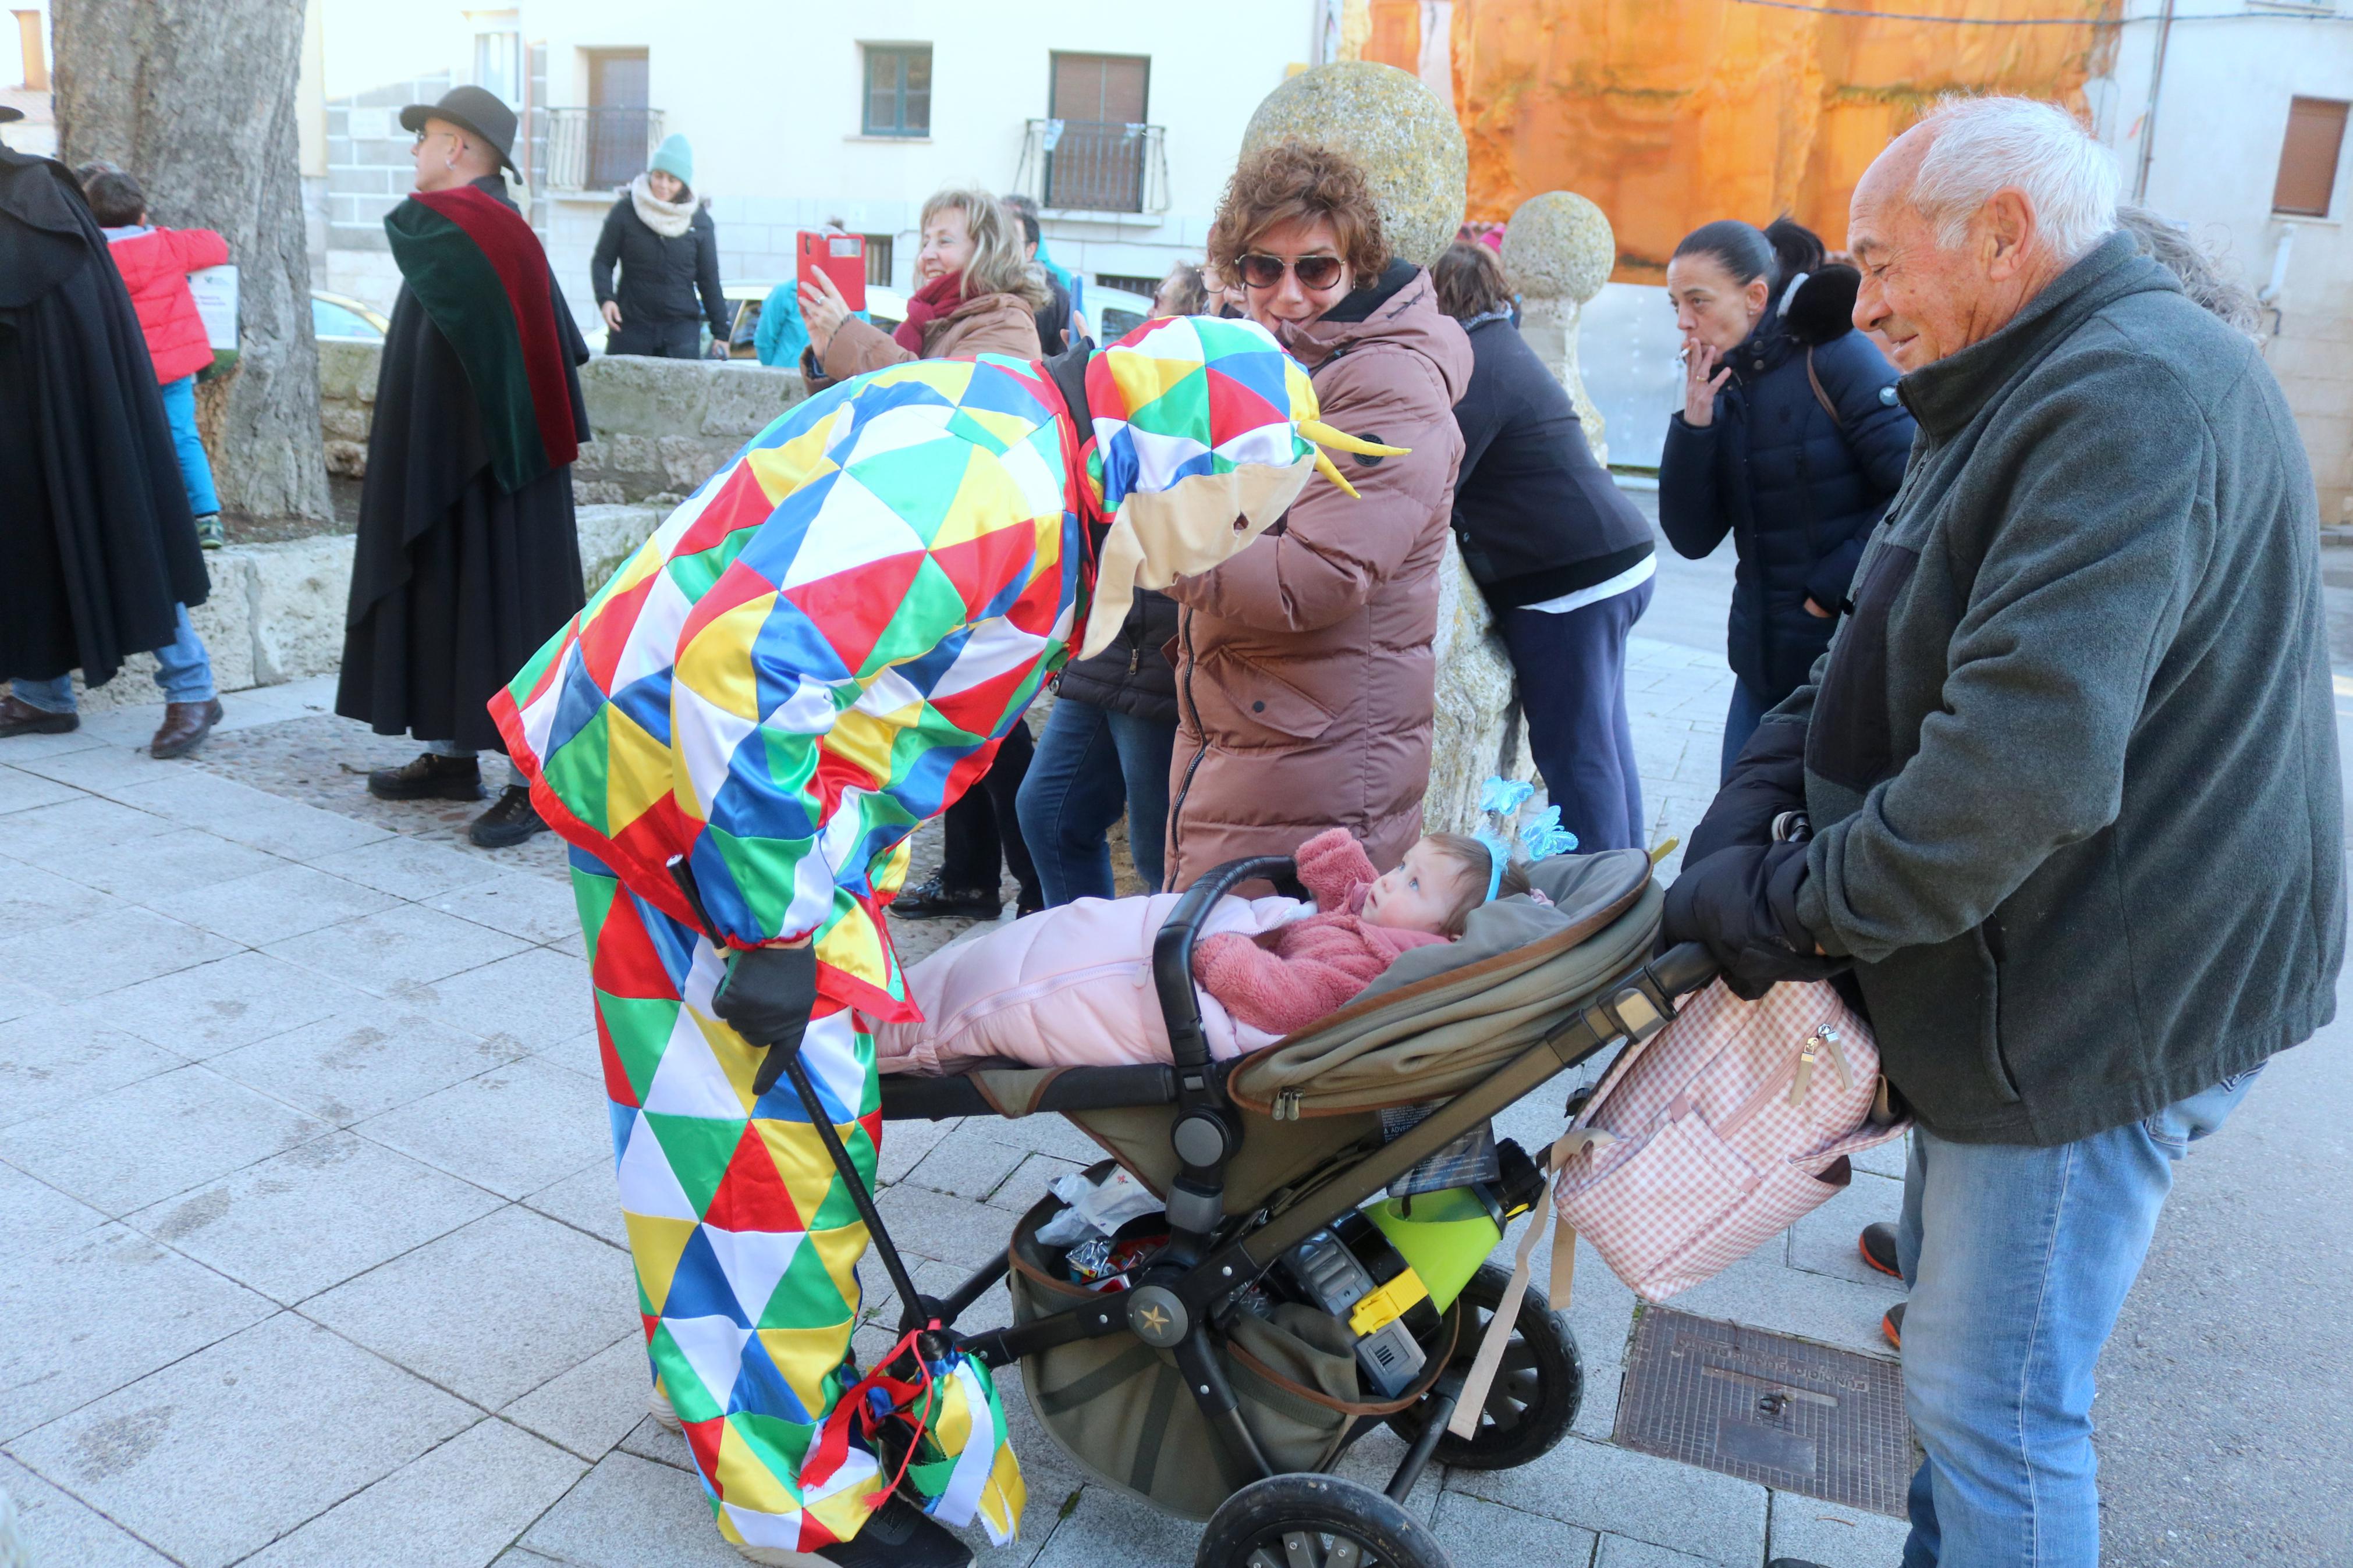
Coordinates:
[659,277]
[1133,675]
[1535,515]
[1798,491]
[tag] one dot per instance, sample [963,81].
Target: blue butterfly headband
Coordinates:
[1501,799]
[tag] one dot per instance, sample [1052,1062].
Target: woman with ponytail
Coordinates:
[1790,438]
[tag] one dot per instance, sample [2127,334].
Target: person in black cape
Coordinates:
[100,551]
[468,558]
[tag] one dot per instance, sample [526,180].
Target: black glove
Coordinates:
[1767,779]
[1742,903]
[766,998]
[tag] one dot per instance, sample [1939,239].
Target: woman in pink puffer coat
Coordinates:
[1073,986]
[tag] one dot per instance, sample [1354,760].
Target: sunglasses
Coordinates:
[1261,271]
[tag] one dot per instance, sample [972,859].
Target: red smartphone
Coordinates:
[841,257]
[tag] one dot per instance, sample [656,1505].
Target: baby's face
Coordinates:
[1421,893]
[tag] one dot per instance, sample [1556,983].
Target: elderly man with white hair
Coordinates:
[2070,770]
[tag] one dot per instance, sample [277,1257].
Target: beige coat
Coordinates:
[987,323]
[1303,665]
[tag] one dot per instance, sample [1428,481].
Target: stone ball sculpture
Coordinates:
[1406,140]
[1558,245]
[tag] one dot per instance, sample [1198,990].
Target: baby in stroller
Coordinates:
[1073,986]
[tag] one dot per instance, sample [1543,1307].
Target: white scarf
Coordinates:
[668,219]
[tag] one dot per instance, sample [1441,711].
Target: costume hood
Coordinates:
[1204,432]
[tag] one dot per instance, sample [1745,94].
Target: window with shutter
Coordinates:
[2307,166]
[1097,158]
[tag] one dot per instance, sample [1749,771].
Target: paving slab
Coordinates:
[491,1310]
[650,1439]
[209,1008]
[1835,1537]
[583,1053]
[1030,1180]
[1762,1291]
[297,832]
[191,796]
[932,1225]
[1827,1241]
[455,1507]
[127,1148]
[1476,1531]
[150,871]
[587,1200]
[101,1310]
[23,791]
[904,1144]
[1624,1552]
[360,1063]
[1615,1491]
[279,900]
[516,1130]
[630,1513]
[71,829]
[407,867]
[111,766]
[1146,1538]
[966,1165]
[55,1058]
[171,1457]
[589,1409]
[403,946]
[107,952]
[58,1528]
[35,1216]
[314,1216]
[535,998]
[33,900]
[17,750]
[522,903]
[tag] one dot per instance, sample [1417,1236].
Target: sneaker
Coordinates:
[431,776]
[208,531]
[18,716]
[931,901]
[1878,1245]
[1892,1325]
[510,820]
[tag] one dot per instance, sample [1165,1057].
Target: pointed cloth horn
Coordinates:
[1324,436]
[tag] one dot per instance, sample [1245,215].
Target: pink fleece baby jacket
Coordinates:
[1294,975]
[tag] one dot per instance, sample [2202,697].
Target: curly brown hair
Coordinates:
[1291,182]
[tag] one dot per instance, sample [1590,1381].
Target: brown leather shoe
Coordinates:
[184,727]
[21,718]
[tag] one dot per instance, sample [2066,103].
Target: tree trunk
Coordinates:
[196,99]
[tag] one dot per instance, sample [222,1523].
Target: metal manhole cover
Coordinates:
[1825,1422]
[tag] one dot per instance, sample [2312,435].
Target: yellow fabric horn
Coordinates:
[1323,435]
[1323,465]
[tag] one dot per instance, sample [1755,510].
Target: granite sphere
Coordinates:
[1558,245]
[1406,140]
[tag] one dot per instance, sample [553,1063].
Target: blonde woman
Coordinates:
[975,293]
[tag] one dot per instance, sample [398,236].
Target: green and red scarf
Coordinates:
[477,268]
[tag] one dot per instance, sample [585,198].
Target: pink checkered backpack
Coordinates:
[1717,1134]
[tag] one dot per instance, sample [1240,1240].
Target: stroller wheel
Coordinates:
[1537,1388]
[1315,1522]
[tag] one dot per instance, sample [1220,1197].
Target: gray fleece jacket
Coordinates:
[2072,762]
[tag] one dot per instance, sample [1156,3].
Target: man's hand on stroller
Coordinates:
[766,998]
[1741,902]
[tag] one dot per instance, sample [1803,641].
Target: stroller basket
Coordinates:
[1180,1392]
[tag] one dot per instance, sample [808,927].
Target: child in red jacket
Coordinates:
[156,264]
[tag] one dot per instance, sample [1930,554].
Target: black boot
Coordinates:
[431,776]
[508,822]
[899,1535]
[932,901]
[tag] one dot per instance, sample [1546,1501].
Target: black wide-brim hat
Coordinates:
[477,110]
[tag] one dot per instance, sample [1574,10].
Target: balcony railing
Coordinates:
[1091,166]
[598,149]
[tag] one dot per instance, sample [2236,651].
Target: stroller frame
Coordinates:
[1172,1305]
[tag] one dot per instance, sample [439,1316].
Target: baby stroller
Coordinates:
[1230,1377]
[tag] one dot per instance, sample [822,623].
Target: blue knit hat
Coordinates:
[675,156]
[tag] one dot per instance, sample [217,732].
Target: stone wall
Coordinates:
[275,611]
[662,426]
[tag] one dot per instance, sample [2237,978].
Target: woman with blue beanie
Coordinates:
[661,234]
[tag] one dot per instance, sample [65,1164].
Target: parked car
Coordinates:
[340,319]
[1114,312]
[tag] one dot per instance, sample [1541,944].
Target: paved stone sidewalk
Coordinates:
[308,1237]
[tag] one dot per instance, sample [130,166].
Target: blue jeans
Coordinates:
[196,468]
[1749,710]
[1091,760]
[1571,666]
[183,669]
[2019,1261]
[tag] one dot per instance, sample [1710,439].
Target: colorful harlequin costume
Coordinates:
[817,651]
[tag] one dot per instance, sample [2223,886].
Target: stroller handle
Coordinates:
[1684,969]
[1172,949]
